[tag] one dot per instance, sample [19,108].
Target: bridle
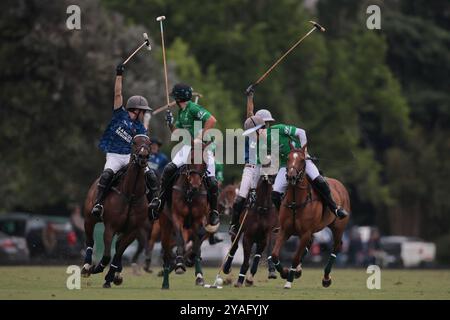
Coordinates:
[299,176]
[137,159]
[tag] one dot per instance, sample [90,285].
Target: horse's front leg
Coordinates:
[89,226]
[235,245]
[180,268]
[247,246]
[304,240]
[282,236]
[108,234]
[196,256]
[260,246]
[115,268]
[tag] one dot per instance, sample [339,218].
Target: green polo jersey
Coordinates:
[286,135]
[187,116]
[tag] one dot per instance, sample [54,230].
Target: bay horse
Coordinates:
[257,229]
[303,213]
[125,212]
[187,210]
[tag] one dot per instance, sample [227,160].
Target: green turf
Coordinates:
[50,283]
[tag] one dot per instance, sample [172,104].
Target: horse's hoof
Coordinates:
[326,282]
[238,284]
[165,287]
[248,282]
[107,285]
[272,275]
[180,269]
[199,281]
[297,274]
[86,270]
[287,285]
[228,281]
[118,280]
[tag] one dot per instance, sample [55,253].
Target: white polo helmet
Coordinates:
[265,115]
[252,124]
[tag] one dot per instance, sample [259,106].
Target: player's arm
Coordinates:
[250,105]
[118,98]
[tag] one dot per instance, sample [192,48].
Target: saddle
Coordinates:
[118,176]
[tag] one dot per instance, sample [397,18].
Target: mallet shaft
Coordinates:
[283,56]
[164,61]
[135,51]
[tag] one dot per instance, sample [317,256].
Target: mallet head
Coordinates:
[161,18]
[318,26]
[149,48]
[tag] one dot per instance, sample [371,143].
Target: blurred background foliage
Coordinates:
[375,103]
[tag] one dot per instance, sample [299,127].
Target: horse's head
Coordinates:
[295,169]
[140,150]
[195,172]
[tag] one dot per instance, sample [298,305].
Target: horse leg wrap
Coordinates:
[291,274]
[88,256]
[329,265]
[165,284]
[227,265]
[277,264]
[198,266]
[255,264]
[243,272]
[102,265]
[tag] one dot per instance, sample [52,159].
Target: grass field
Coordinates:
[43,282]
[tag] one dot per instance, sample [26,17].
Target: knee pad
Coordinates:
[106,177]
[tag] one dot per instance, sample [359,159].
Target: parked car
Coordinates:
[409,252]
[13,249]
[46,236]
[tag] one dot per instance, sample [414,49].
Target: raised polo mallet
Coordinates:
[316,26]
[161,19]
[145,43]
[196,95]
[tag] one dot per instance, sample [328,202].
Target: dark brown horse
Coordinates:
[187,210]
[302,213]
[257,229]
[125,211]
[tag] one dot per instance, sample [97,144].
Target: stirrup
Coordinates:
[213,226]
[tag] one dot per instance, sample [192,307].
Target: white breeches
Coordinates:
[280,184]
[116,161]
[250,177]
[181,158]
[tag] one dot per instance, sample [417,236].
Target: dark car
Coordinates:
[47,236]
[13,249]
